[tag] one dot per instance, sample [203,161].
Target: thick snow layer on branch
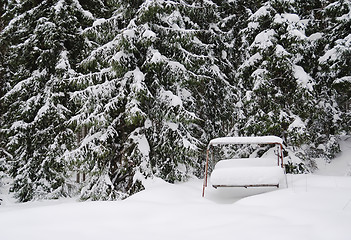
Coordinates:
[303,78]
[341,47]
[156,56]
[246,140]
[287,18]
[315,36]
[297,125]
[149,34]
[262,11]
[58,6]
[264,39]
[99,21]
[86,13]
[173,99]
[142,143]
[346,79]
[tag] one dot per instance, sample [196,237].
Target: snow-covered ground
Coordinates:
[314,206]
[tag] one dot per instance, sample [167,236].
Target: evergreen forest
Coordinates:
[97,95]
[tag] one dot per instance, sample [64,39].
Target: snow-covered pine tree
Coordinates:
[106,115]
[278,93]
[150,88]
[325,30]
[335,62]
[116,91]
[3,8]
[43,43]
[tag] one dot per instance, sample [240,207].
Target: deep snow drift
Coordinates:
[314,206]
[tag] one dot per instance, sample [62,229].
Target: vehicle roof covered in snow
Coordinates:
[246,140]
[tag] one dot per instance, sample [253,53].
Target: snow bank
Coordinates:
[322,211]
[313,207]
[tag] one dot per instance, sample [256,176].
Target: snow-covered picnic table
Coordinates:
[246,140]
[246,172]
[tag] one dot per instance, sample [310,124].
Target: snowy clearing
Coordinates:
[314,206]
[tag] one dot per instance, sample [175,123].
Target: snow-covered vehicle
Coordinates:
[246,172]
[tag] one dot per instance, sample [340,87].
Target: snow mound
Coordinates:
[247,176]
[247,172]
[246,162]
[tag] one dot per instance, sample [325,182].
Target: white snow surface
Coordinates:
[246,162]
[248,176]
[298,125]
[247,171]
[172,98]
[262,11]
[99,21]
[264,39]
[314,207]
[58,6]
[142,143]
[346,79]
[303,78]
[246,140]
